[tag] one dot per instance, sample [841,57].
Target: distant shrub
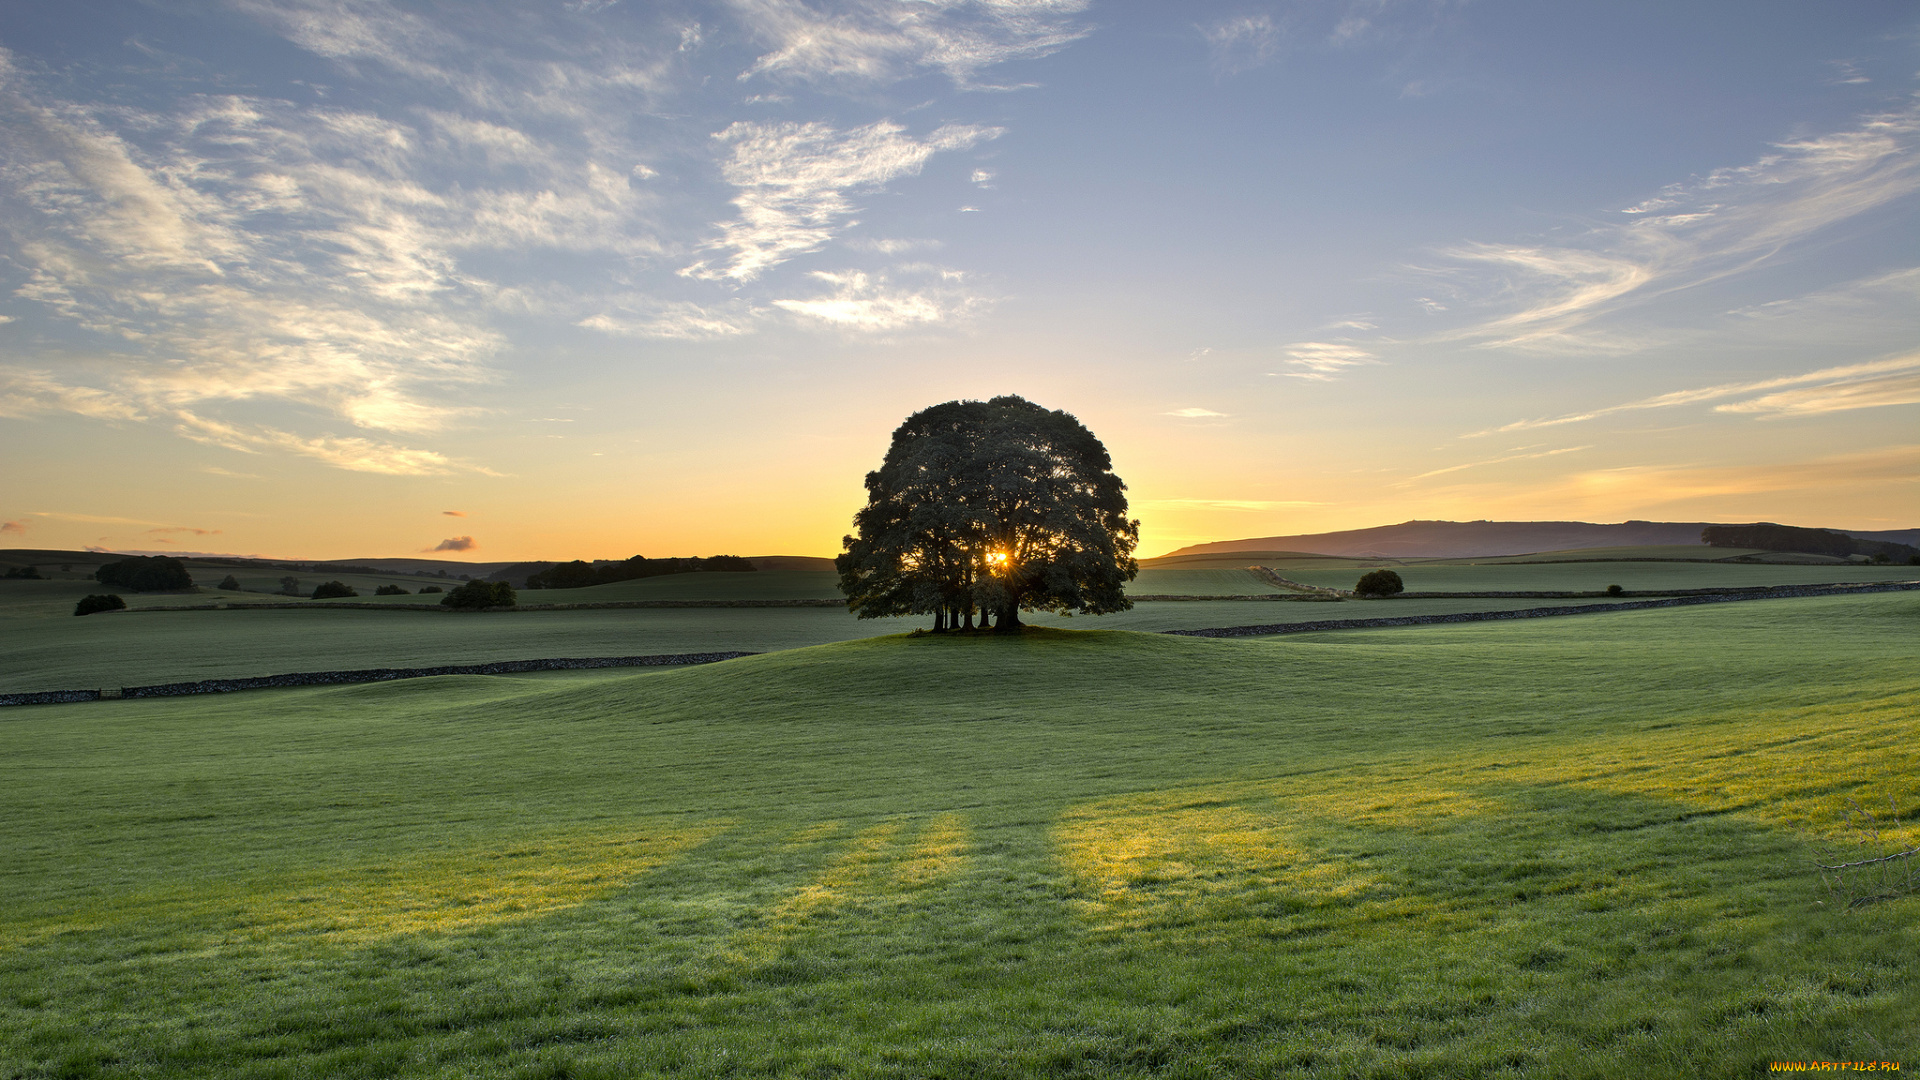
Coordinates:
[1615,590]
[229,584]
[475,595]
[109,602]
[392,590]
[424,589]
[290,585]
[333,590]
[151,573]
[28,573]
[1913,560]
[1380,583]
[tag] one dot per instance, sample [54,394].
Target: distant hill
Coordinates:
[791,562]
[1465,539]
[1770,537]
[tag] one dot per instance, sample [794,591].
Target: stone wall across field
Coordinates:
[364,675]
[1721,597]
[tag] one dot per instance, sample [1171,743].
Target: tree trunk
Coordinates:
[1009,621]
[940,620]
[969,616]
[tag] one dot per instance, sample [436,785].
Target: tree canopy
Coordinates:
[992,506]
[480,595]
[153,573]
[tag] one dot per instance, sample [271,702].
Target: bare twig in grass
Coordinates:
[1858,882]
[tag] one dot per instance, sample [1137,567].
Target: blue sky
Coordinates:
[595,278]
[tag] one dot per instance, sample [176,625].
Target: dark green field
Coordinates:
[1573,847]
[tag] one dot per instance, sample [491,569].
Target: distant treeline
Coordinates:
[579,574]
[1769,537]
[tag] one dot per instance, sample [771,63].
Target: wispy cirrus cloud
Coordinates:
[1893,380]
[1722,224]
[795,182]
[1322,361]
[1839,396]
[880,41]
[680,320]
[1231,504]
[1240,42]
[1654,484]
[1195,413]
[233,249]
[1519,454]
[1247,40]
[351,452]
[860,301]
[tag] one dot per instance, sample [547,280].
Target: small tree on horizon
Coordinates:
[1380,583]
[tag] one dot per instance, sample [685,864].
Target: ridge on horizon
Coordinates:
[1485,538]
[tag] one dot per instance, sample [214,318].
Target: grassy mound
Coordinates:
[1578,848]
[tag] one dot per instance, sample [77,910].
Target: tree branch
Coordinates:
[1870,862]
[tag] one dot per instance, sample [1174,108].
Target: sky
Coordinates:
[590,279]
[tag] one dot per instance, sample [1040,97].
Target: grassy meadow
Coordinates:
[1574,847]
[43,647]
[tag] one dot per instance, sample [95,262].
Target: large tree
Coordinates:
[997,507]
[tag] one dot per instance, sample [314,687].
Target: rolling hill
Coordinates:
[1466,539]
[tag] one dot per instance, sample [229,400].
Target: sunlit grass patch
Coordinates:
[433,892]
[438,894]
[876,870]
[937,853]
[1145,863]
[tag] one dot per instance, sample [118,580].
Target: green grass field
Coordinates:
[1648,576]
[1576,847]
[42,647]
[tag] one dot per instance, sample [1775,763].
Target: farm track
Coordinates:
[364,675]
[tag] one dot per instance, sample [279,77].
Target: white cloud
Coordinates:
[880,41]
[1901,389]
[863,302]
[1888,381]
[32,393]
[892,246]
[1240,43]
[1231,504]
[794,181]
[1321,361]
[1519,455]
[235,249]
[1847,72]
[1722,224]
[1193,413]
[679,320]
[353,453]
